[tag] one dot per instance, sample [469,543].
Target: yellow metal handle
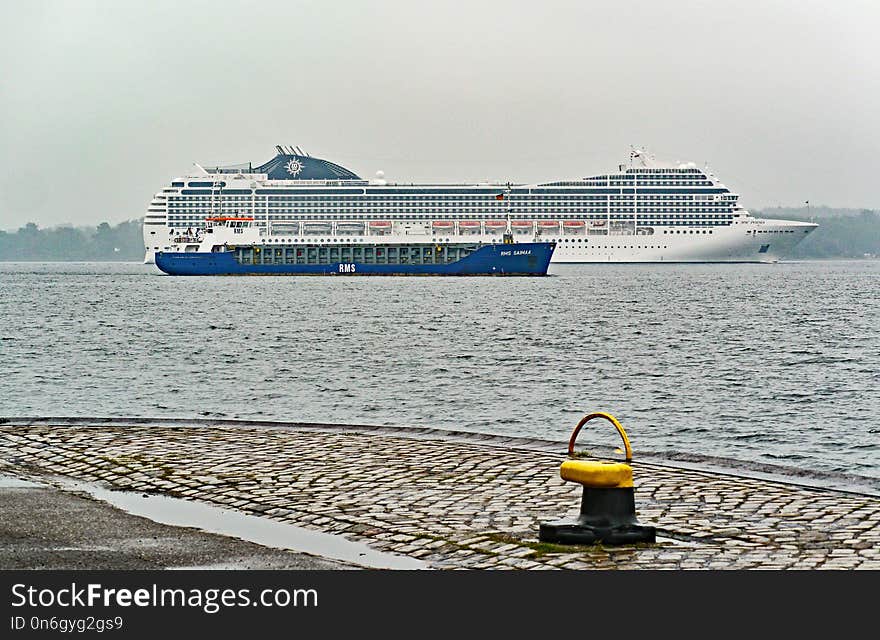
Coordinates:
[612,420]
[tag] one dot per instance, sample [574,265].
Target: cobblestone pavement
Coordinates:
[453,503]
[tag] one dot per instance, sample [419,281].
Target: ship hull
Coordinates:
[526,259]
[752,241]
[756,241]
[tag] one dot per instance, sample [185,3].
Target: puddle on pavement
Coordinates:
[269,533]
[8,482]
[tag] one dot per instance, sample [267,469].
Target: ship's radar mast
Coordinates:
[641,156]
[508,231]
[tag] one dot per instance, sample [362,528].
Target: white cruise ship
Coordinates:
[643,212]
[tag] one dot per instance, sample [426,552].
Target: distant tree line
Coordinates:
[842,233]
[122,242]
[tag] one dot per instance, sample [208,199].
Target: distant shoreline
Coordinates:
[843,234]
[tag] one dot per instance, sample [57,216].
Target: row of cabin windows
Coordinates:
[427,198]
[613,216]
[281,215]
[421,214]
[542,212]
[178,220]
[614,200]
[646,219]
[615,206]
[667,170]
[476,199]
[640,173]
[631,246]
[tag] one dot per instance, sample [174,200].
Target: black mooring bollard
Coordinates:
[608,506]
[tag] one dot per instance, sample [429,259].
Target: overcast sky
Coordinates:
[102,103]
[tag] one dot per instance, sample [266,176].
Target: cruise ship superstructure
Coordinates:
[643,212]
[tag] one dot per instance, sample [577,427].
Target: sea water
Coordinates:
[759,363]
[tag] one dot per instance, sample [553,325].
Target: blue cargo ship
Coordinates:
[234,246]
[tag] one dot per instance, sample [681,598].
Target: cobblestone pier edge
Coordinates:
[451,499]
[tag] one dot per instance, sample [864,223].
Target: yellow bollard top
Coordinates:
[598,474]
